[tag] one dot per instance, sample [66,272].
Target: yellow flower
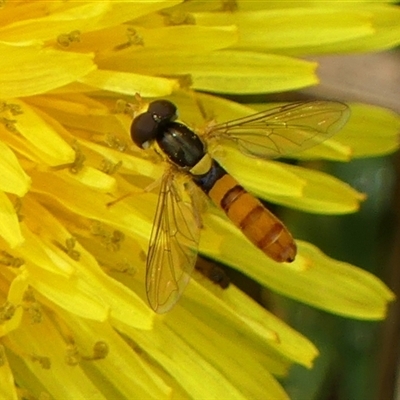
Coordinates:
[74,320]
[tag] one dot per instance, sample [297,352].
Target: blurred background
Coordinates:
[358,360]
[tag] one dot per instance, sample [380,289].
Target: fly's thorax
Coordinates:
[181,145]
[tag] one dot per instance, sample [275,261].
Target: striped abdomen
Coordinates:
[259,225]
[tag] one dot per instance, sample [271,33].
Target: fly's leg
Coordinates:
[147,189]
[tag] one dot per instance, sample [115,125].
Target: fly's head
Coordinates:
[147,126]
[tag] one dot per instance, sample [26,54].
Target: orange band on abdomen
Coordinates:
[259,225]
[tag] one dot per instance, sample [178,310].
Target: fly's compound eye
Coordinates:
[144,129]
[162,111]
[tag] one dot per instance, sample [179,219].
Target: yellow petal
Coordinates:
[242,314]
[192,38]
[120,364]
[371,131]
[312,278]
[84,289]
[16,291]
[73,103]
[92,178]
[322,193]
[80,112]
[43,134]
[9,227]
[328,150]
[7,387]
[198,109]
[13,178]
[93,205]
[39,69]
[130,83]
[285,30]
[292,186]
[261,177]
[34,250]
[121,11]
[75,295]
[43,349]
[228,71]
[338,27]
[383,20]
[201,377]
[51,21]
[255,382]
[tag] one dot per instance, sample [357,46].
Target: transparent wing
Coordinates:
[172,248]
[283,130]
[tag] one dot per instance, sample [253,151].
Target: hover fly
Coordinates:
[175,235]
